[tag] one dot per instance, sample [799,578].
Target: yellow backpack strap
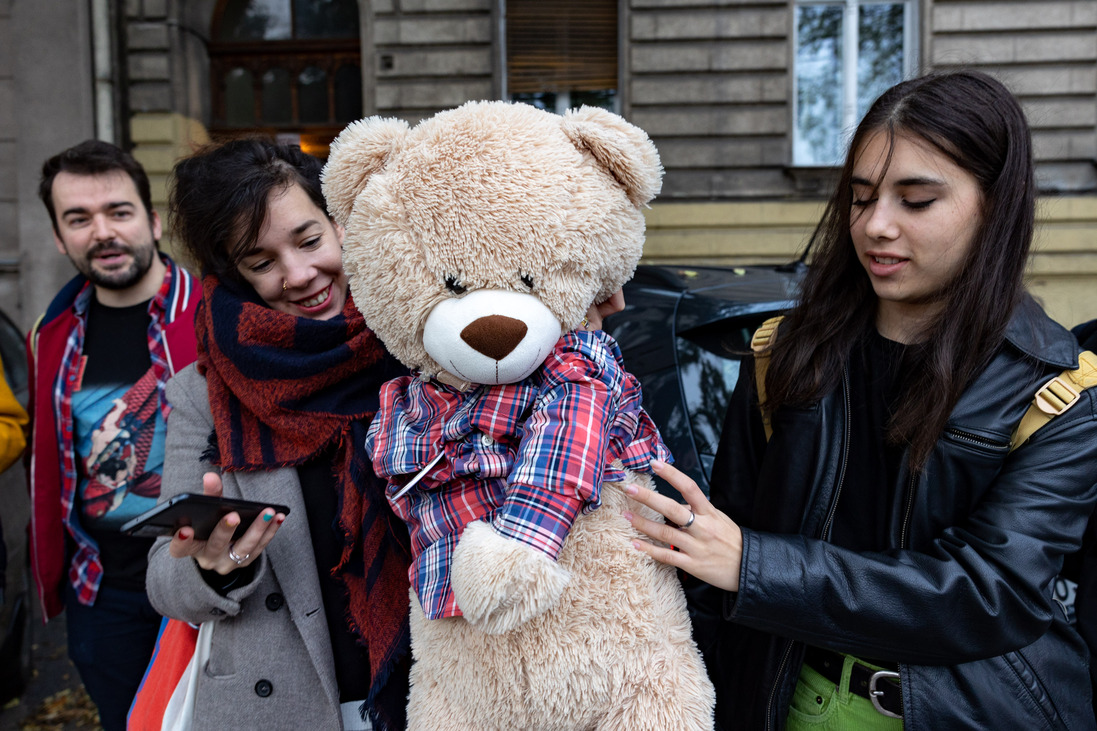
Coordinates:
[760,344]
[1055,397]
[34,335]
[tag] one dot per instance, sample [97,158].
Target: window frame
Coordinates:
[562,96]
[293,55]
[850,56]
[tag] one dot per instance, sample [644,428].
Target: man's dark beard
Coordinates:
[119,279]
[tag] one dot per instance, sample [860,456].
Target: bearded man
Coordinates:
[99,358]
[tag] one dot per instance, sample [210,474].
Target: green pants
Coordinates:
[820,705]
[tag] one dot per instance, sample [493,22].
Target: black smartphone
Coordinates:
[201,512]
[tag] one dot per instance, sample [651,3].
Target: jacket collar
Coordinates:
[1039,337]
[63,300]
[175,292]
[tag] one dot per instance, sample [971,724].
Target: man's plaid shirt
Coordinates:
[526,457]
[86,568]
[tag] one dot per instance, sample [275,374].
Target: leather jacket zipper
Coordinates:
[910,508]
[823,534]
[911,487]
[776,684]
[845,461]
[965,436]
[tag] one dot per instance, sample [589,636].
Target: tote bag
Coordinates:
[166,698]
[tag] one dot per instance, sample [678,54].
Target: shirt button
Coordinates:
[275,601]
[486,440]
[263,688]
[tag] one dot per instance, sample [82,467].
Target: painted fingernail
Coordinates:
[628,515]
[267,517]
[636,545]
[231,523]
[631,489]
[281,519]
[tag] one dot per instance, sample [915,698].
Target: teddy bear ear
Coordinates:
[623,149]
[359,151]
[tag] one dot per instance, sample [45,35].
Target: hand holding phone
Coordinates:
[200,512]
[233,542]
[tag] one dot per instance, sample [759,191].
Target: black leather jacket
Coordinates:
[962,600]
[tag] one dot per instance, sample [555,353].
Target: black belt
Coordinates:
[888,693]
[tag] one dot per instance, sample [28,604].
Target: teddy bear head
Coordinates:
[475,239]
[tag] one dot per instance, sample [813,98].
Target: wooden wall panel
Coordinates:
[1046,52]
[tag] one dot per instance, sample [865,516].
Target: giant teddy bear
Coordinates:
[475,244]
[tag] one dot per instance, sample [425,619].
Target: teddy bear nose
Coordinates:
[494,335]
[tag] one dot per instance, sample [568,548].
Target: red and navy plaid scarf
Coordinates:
[284,389]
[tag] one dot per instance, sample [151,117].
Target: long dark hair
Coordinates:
[974,121]
[218,198]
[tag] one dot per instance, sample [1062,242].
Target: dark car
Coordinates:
[683,333]
[15,587]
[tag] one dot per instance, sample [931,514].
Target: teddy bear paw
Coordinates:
[501,583]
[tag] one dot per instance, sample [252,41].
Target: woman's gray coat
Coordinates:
[270,663]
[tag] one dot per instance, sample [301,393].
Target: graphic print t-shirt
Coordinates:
[119,434]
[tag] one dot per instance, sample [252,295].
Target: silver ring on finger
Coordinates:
[688,523]
[239,560]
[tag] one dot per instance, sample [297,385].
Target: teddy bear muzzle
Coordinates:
[491,336]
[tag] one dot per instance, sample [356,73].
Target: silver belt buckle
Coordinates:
[874,695]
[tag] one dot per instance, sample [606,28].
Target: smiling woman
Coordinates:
[296,264]
[276,412]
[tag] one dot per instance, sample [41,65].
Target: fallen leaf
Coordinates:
[64,707]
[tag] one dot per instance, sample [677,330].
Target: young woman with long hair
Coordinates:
[885,558]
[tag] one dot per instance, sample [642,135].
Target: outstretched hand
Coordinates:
[219,552]
[710,548]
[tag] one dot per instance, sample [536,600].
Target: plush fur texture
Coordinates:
[614,653]
[500,583]
[482,196]
[503,336]
[505,201]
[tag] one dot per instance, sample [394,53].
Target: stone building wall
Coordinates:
[710,80]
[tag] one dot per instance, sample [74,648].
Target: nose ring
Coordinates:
[283,285]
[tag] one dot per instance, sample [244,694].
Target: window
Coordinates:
[290,68]
[562,54]
[847,53]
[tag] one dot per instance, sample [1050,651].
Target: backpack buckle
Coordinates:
[1056,396]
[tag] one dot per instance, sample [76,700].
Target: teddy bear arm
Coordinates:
[565,442]
[501,583]
[505,573]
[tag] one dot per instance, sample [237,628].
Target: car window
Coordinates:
[708,368]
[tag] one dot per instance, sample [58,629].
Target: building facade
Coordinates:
[748,101]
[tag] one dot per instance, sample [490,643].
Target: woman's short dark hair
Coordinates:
[974,121]
[92,157]
[218,198]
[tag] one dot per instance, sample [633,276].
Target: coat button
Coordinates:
[263,688]
[275,601]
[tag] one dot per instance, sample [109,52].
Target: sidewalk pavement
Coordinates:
[54,699]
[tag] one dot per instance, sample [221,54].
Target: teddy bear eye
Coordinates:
[527,280]
[454,286]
